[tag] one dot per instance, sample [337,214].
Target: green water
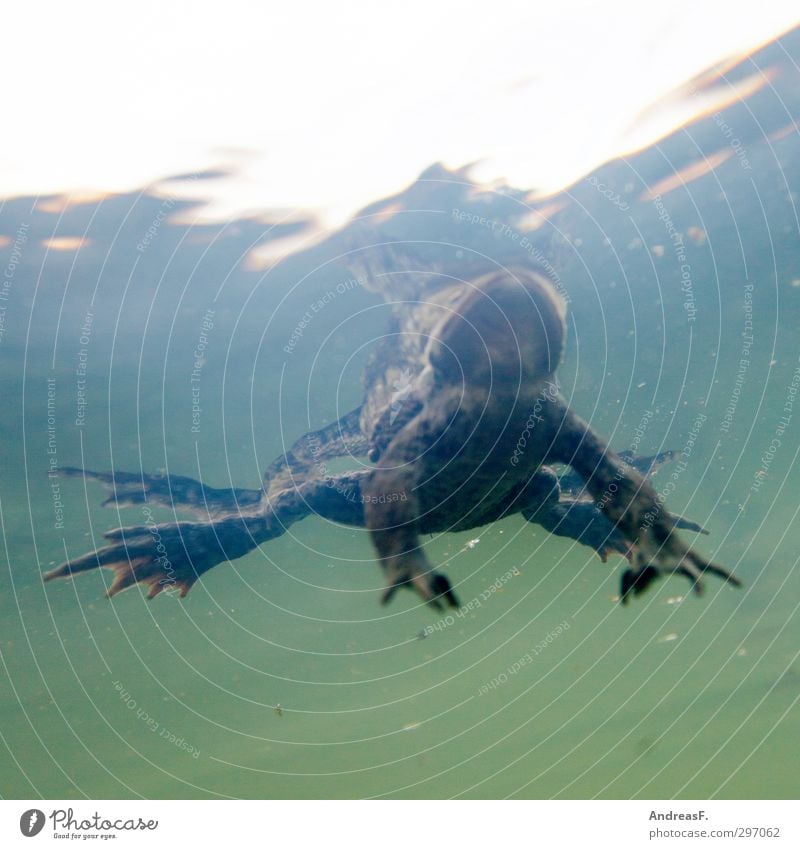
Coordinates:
[546,687]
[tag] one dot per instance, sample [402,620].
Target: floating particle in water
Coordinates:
[646,745]
[668,638]
[278,710]
[658,250]
[411,726]
[795,283]
[697,235]
[741,652]
[641,385]
[675,599]
[473,542]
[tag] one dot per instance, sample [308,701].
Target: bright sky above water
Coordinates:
[325,107]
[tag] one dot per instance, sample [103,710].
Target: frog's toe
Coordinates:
[662,553]
[432,587]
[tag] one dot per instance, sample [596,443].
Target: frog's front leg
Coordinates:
[630,503]
[390,510]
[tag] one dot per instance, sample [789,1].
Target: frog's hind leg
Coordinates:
[187,495]
[308,455]
[630,503]
[182,494]
[174,555]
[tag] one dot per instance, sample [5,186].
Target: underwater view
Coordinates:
[137,337]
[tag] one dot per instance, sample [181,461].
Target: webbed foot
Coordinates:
[166,556]
[572,484]
[659,552]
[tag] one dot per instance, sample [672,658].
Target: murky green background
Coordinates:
[671,697]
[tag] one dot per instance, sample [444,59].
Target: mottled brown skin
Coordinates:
[463,421]
[491,364]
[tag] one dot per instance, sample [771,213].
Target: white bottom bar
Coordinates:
[387,824]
